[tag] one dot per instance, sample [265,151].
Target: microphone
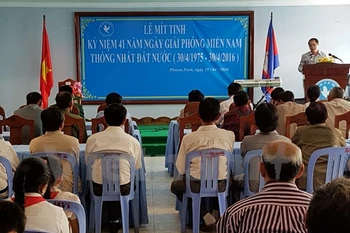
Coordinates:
[335,57]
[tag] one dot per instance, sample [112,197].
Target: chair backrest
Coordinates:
[246,170]
[2,114]
[76,208]
[68,157]
[192,121]
[343,117]
[101,107]
[75,110]
[69,122]
[337,159]
[110,174]
[35,231]
[209,170]
[68,82]
[16,123]
[8,168]
[191,108]
[247,121]
[95,123]
[298,119]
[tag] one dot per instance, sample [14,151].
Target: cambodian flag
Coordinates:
[271,61]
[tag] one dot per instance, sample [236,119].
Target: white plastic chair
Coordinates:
[247,159]
[8,167]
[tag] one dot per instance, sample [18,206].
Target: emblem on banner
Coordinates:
[325,86]
[106,29]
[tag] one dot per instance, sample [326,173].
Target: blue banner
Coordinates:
[162,57]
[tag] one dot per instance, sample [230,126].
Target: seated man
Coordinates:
[208,136]
[54,140]
[115,98]
[239,108]
[113,140]
[13,219]
[193,96]
[275,100]
[329,208]
[232,89]
[313,93]
[287,107]
[64,101]
[337,106]
[280,206]
[69,89]
[316,136]
[31,111]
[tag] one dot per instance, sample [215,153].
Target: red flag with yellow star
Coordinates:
[46,75]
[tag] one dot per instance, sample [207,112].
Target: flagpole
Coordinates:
[44,21]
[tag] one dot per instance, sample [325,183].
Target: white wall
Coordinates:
[20,47]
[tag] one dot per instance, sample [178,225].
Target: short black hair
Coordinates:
[115,114]
[209,109]
[33,98]
[266,117]
[12,217]
[276,92]
[195,95]
[286,96]
[241,98]
[316,113]
[63,99]
[233,88]
[315,39]
[52,118]
[66,88]
[313,93]
[113,98]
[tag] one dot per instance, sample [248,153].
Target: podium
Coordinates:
[325,70]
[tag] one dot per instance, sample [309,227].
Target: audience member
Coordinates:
[280,206]
[240,107]
[316,135]
[55,140]
[336,105]
[31,111]
[275,100]
[53,191]
[69,89]
[287,107]
[208,136]
[193,96]
[313,93]
[115,98]
[64,102]
[12,218]
[29,184]
[232,89]
[113,140]
[10,154]
[329,208]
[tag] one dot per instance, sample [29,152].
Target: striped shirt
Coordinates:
[278,207]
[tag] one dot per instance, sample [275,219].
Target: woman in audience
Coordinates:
[12,218]
[53,191]
[313,93]
[29,184]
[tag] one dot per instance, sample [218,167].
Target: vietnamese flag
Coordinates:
[46,75]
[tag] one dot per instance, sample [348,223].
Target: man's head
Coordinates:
[313,45]
[52,119]
[335,93]
[195,95]
[275,95]
[266,117]
[233,88]
[64,100]
[115,115]
[209,110]
[240,99]
[286,96]
[316,113]
[313,93]
[329,209]
[13,219]
[281,162]
[66,88]
[34,98]
[113,98]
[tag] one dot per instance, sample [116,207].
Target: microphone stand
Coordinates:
[262,97]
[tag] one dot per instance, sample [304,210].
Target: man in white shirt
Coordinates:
[208,136]
[312,56]
[232,89]
[113,140]
[336,106]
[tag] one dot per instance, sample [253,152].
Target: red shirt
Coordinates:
[231,119]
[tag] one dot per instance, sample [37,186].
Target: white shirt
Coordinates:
[113,139]
[288,109]
[128,116]
[224,108]
[206,137]
[67,196]
[44,216]
[7,152]
[309,58]
[336,107]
